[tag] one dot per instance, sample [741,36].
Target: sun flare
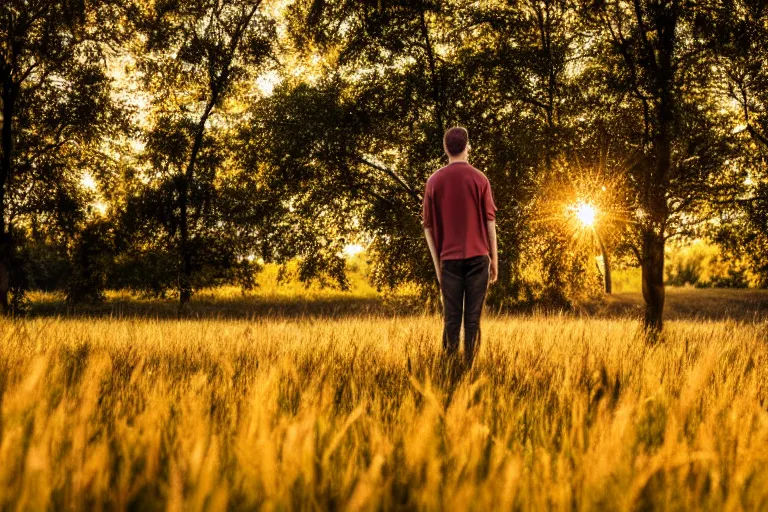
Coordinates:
[586,214]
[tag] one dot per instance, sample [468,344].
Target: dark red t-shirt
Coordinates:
[457,204]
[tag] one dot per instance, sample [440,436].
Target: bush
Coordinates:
[92,257]
[703,265]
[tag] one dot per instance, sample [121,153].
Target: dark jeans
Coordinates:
[464,283]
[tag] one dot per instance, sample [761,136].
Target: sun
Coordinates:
[586,213]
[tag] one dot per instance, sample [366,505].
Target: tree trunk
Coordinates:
[5,262]
[658,178]
[5,259]
[653,279]
[185,279]
[6,146]
[5,278]
[606,265]
[217,84]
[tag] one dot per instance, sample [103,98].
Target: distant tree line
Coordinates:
[166,145]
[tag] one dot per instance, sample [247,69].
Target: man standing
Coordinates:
[459,220]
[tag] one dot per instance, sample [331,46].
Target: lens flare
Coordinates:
[586,213]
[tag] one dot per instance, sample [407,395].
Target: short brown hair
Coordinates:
[455,140]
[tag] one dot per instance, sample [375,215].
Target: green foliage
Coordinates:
[703,265]
[283,131]
[42,265]
[195,215]
[91,258]
[644,110]
[361,145]
[740,36]
[58,118]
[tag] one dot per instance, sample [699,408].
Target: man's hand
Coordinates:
[493,274]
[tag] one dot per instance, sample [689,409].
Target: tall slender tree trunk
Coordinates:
[185,250]
[185,278]
[217,84]
[5,273]
[6,146]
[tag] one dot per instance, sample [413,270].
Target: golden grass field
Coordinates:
[358,413]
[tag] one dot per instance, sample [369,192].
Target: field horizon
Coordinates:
[292,301]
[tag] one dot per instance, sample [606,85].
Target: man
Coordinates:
[459,220]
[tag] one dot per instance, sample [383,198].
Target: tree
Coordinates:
[196,63]
[356,145]
[527,55]
[651,65]
[739,38]
[56,110]
[363,138]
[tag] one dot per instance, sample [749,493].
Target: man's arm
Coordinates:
[494,271]
[490,224]
[427,223]
[433,252]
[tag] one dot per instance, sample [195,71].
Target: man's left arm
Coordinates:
[427,223]
[433,252]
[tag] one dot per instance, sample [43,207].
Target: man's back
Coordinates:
[457,204]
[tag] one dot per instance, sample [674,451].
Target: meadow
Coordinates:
[292,397]
[359,413]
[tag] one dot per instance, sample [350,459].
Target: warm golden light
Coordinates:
[88,183]
[351,250]
[100,207]
[586,213]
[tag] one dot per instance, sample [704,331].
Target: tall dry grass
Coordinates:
[359,414]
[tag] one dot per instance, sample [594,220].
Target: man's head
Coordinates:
[456,141]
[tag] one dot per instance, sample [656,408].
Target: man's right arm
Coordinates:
[490,223]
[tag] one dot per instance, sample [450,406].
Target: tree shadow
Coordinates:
[681,304]
[220,308]
[686,304]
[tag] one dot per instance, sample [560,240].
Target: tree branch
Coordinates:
[392,174]
[759,137]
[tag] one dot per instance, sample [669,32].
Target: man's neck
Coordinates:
[454,159]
